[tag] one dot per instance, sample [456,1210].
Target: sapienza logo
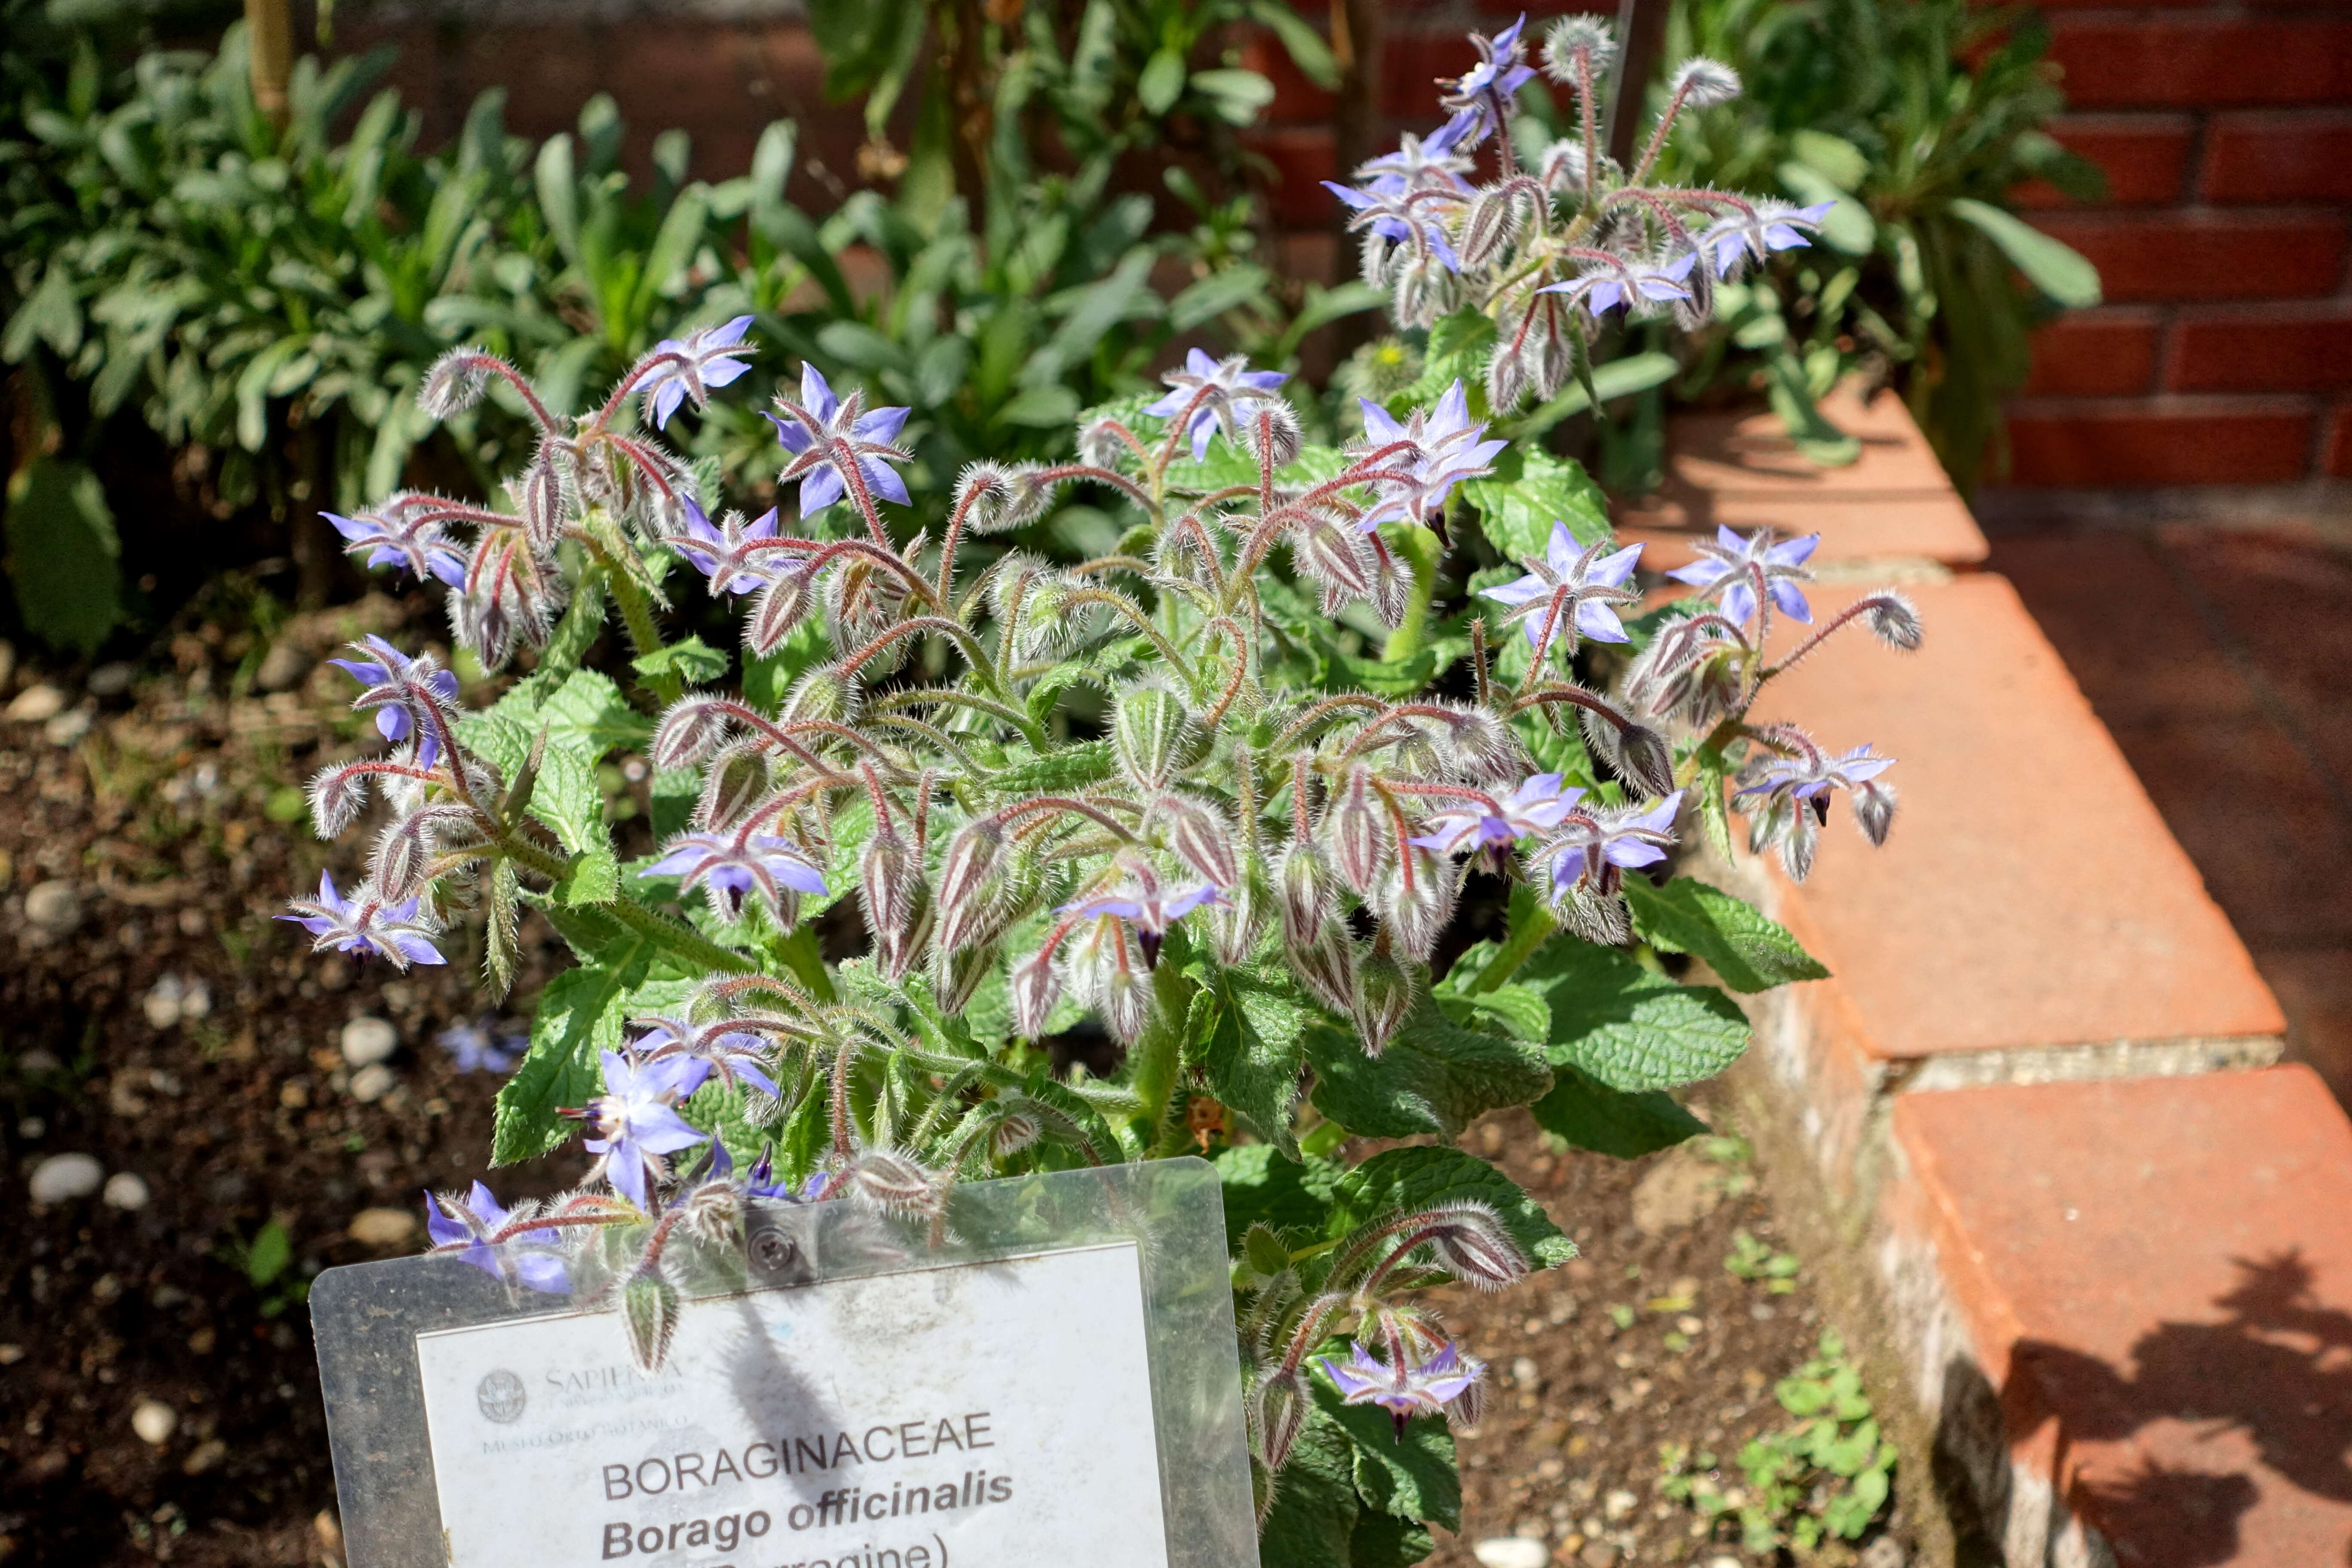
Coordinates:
[501,1395]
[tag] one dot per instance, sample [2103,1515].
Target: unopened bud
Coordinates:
[1151,733]
[823,692]
[984,492]
[1308,897]
[782,606]
[538,496]
[1333,556]
[959,973]
[1643,757]
[1270,427]
[1703,83]
[887,870]
[1894,621]
[694,727]
[730,786]
[1239,920]
[1471,1245]
[1415,909]
[892,1182]
[903,946]
[1282,1402]
[972,877]
[1201,839]
[649,1307]
[1036,991]
[1385,995]
[337,796]
[456,382]
[1354,835]
[1327,964]
[1874,810]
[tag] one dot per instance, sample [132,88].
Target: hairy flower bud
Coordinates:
[1894,620]
[1874,810]
[780,607]
[1415,908]
[1496,215]
[1308,900]
[337,795]
[538,498]
[1239,921]
[823,692]
[649,1306]
[903,946]
[959,974]
[1471,1245]
[731,785]
[984,494]
[695,726]
[1334,556]
[1280,1414]
[1391,587]
[1036,991]
[1271,428]
[1355,834]
[893,1182]
[1201,838]
[1385,995]
[1152,735]
[1645,760]
[972,877]
[1578,46]
[1104,969]
[1326,963]
[887,871]
[1702,83]
[456,382]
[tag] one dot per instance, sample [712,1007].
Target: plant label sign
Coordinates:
[970,1415]
[1055,1382]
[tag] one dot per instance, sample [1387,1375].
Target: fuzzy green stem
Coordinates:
[1157,1056]
[1517,948]
[1420,551]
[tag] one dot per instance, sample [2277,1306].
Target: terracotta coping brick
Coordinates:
[1741,470]
[2157,1277]
[2030,894]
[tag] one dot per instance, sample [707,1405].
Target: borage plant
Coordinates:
[1157,808]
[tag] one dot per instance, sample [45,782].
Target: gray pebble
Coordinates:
[367,1040]
[61,1178]
[54,907]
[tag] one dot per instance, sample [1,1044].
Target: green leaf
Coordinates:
[271,1251]
[62,553]
[1383,1541]
[1619,378]
[1632,1028]
[1839,161]
[1412,1477]
[1162,80]
[1591,1115]
[1315,1504]
[1253,1047]
[1211,297]
[1305,46]
[1747,949]
[1519,501]
[579,1013]
[1434,1077]
[1236,94]
[1518,1011]
[1262,1187]
[1058,772]
[1425,1175]
[2057,269]
[690,660]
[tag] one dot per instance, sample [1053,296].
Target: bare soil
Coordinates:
[173,818]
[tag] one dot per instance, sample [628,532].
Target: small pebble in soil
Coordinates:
[1511,1552]
[124,1191]
[372,1083]
[36,1059]
[61,1178]
[67,727]
[1884,1553]
[111,679]
[36,704]
[1618,1504]
[32,1128]
[367,1040]
[330,1532]
[174,1000]
[54,907]
[208,1454]
[382,1227]
[283,667]
[293,1094]
[154,1421]
[11,1354]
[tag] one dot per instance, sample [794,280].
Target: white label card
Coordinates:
[978,1416]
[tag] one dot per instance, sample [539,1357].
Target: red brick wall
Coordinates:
[2223,354]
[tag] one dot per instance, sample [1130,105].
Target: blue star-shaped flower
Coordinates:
[824,433]
[1732,565]
[1573,590]
[1219,393]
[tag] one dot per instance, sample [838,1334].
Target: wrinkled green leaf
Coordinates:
[1632,1028]
[1591,1115]
[1434,1077]
[1747,949]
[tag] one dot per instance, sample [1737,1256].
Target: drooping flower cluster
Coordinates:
[1546,251]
